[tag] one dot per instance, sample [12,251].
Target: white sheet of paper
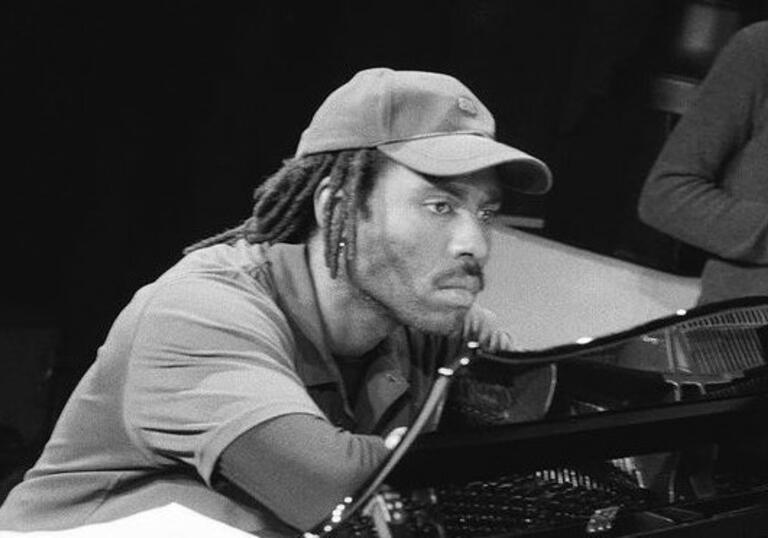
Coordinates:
[170,521]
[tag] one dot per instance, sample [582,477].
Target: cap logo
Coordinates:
[467,106]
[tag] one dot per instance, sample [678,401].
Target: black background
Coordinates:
[133,130]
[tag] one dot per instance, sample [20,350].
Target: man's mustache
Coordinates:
[468,268]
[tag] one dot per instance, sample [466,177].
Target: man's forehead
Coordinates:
[484,181]
[484,184]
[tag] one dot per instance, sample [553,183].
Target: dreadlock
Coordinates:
[283,209]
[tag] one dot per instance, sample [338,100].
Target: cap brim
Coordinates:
[456,154]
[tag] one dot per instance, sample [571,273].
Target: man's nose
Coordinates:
[470,238]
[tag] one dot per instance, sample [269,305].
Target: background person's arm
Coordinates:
[684,195]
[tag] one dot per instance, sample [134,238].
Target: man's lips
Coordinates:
[470,283]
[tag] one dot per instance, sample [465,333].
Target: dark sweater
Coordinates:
[709,186]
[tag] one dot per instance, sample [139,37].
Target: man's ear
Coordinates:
[322,197]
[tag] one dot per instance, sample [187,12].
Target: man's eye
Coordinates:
[441,208]
[487,215]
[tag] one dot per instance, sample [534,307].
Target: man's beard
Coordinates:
[404,306]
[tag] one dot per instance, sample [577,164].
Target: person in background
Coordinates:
[257,380]
[709,185]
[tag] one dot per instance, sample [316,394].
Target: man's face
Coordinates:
[421,251]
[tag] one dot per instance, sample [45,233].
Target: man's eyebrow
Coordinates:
[460,191]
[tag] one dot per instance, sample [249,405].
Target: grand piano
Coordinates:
[656,429]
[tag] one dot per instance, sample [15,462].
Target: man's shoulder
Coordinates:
[219,269]
[216,282]
[233,260]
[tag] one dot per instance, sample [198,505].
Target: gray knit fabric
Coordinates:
[709,186]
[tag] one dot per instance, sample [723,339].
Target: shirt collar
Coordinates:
[389,374]
[296,296]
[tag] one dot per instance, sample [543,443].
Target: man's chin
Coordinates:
[442,324]
[435,317]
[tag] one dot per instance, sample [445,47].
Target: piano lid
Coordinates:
[691,377]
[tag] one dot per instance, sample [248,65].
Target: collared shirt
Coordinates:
[227,339]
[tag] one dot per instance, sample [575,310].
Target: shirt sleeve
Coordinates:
[684,194]
[301,467]
[212,357]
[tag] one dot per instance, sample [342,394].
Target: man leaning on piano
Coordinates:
[266,375]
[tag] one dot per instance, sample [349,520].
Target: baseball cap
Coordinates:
[429,122]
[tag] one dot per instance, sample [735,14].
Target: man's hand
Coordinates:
[394,437]
[484,326]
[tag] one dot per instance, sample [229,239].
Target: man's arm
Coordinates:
[301,466]
[214,388]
